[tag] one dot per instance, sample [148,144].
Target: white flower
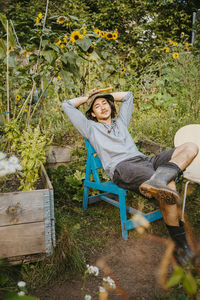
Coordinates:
[18,167]
[110,281]
[10,169]
[13,160]
[2,155]
[21,293]
[93,270]
[101,289]
[3,164]
[2,173]
[21,284]
[88,297]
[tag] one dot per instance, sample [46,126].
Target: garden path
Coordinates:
[135,264]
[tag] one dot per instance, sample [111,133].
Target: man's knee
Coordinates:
[191,149]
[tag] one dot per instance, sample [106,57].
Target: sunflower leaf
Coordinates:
[84,43]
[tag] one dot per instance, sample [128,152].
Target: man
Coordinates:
[126,165]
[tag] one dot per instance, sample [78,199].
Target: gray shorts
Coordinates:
[131,173]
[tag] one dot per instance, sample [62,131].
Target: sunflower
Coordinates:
[17,97]
[97,31]
[182,34]
[75,35]
[62,46]
[170,42]
[175,43]
[123,70]
[90,50]
[115,35]
[58,42]
[189,47]
[61,20]
[175,55]
[109,35]
[166,50]
[101,33]
[10,49]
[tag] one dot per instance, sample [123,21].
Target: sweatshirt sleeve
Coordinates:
[80,122]
[126,109]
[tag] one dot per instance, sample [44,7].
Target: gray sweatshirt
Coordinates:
[113,143]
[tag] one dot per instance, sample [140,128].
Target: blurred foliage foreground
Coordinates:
[61,56]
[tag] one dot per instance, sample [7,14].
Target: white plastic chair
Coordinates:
[189,133]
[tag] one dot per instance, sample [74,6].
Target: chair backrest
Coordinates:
[93,163]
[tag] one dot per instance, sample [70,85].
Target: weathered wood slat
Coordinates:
[22,239]
[21,207]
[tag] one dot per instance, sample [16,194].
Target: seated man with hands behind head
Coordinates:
[129,168]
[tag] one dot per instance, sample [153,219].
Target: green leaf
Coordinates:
[3,20]
[190,284]
[49,55]
[176,277]
[84,43]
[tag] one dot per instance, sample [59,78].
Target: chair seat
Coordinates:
[108,186]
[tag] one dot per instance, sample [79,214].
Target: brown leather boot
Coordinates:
[156,186]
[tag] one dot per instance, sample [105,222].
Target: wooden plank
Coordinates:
[22,239]
[46,180]
[21,207]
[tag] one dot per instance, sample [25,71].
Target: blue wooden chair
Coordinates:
[108,191]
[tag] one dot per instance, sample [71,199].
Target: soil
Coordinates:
[134,264]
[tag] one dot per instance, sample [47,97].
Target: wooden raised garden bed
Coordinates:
[27,224]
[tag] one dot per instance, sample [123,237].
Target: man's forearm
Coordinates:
[79,100]
[118,96]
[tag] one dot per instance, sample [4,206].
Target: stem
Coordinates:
[13,28]
[7,77]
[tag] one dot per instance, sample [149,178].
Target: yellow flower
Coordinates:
[170,42]
[75,35]
[166,50]
[19,105]
[61,20]
[189,47]
[17,97]
[83,30]
[37,20]
[182,34]
[175,43]
[62,46]
[123,70]
[58,42]
[175,55]
[109,35]
[65,38]
[10,49]
[68,24]
[97,31]
[115,35]
[40,16]
[25,110]
[90,50]
[59,77]
[101,33]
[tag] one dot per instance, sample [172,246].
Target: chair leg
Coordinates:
[184,199]
[85,198]
[123,216]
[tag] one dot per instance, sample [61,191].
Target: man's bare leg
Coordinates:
[156,187]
